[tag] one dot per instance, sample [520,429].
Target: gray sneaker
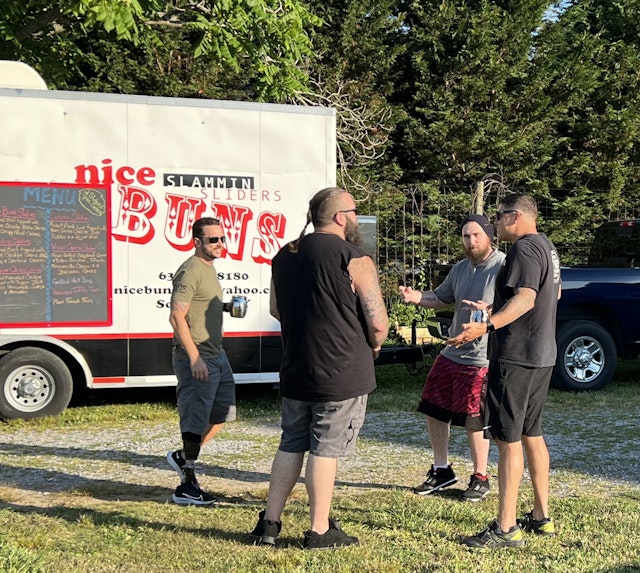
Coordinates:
[478,488]
[266,531]
[493,536]
[334,537]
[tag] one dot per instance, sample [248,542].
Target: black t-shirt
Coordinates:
[326,353]
[532,262]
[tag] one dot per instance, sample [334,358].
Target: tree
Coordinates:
[352,74]
[475,106]
[593,53]
[266,40]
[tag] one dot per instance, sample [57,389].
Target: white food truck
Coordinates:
[98,193]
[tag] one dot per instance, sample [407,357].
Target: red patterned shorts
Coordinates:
[455,393]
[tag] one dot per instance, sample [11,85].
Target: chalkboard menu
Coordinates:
[54,255]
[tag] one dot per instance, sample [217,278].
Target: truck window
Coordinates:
[616,245]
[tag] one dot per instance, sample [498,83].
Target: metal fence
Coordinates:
[422,233]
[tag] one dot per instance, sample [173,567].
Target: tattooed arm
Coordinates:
[365,283]
[426,298]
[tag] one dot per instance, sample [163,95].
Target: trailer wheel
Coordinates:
[587,356]
[33,383]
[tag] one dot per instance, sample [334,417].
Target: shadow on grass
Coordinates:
[75,515]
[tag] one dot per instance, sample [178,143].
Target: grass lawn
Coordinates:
[87,491]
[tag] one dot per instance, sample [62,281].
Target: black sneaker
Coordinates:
[543,526]
[478,488]
[266,531]
[333,538]
[493,536]
[189,493]
[436,480]
[176,461]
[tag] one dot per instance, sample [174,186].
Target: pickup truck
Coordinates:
[598,317]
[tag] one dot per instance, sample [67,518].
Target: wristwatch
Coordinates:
[490,327]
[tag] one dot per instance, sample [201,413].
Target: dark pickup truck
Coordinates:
[599,312]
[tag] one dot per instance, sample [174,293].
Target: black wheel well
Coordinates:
[593,313]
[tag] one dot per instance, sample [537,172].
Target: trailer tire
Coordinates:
[33,383]
[587,356]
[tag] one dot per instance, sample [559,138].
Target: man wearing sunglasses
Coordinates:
[522,353]
[325,293]
[206,389]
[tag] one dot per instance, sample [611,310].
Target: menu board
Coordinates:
[54,255]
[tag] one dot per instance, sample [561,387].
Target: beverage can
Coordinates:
[479,315]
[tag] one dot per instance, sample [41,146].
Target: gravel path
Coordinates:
[129,464]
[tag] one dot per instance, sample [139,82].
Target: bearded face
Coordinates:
[352,233]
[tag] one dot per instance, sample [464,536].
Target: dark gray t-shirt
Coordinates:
[467,281]
[532,262]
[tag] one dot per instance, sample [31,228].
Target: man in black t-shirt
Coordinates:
[522,353]
[325,293]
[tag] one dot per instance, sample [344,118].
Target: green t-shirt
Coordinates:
[196,283]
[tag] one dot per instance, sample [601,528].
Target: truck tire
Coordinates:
[587,356]
[33,383]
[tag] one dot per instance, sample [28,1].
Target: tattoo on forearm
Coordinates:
[428,297]
[374,308]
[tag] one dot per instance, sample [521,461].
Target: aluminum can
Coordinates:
[479,315]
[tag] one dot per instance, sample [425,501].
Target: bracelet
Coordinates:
[490,327]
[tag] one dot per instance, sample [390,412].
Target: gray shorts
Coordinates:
[325,429]
[205,402]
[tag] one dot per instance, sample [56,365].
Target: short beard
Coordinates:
[480,256]
[352,233]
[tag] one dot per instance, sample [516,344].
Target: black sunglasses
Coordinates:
[349,211]
[500,213]
[213,240]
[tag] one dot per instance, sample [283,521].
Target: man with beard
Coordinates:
[326,294]
[206,390]
[454,391]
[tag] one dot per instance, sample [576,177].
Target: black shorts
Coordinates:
[516,396]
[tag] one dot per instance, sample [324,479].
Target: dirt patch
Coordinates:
[80,466]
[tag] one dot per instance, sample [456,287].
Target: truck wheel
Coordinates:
[33,383]
[587,356]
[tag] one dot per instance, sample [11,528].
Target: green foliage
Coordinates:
[592,51]
[266,40]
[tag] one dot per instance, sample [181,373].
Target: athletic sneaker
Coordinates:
[478,488]
[189,493]
[334,537]
[493,536]
[543,526]
[266,531]
[176,461]
[436,480]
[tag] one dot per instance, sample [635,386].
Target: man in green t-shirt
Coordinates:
[206,389]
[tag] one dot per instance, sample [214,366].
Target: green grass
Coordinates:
[598,529]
